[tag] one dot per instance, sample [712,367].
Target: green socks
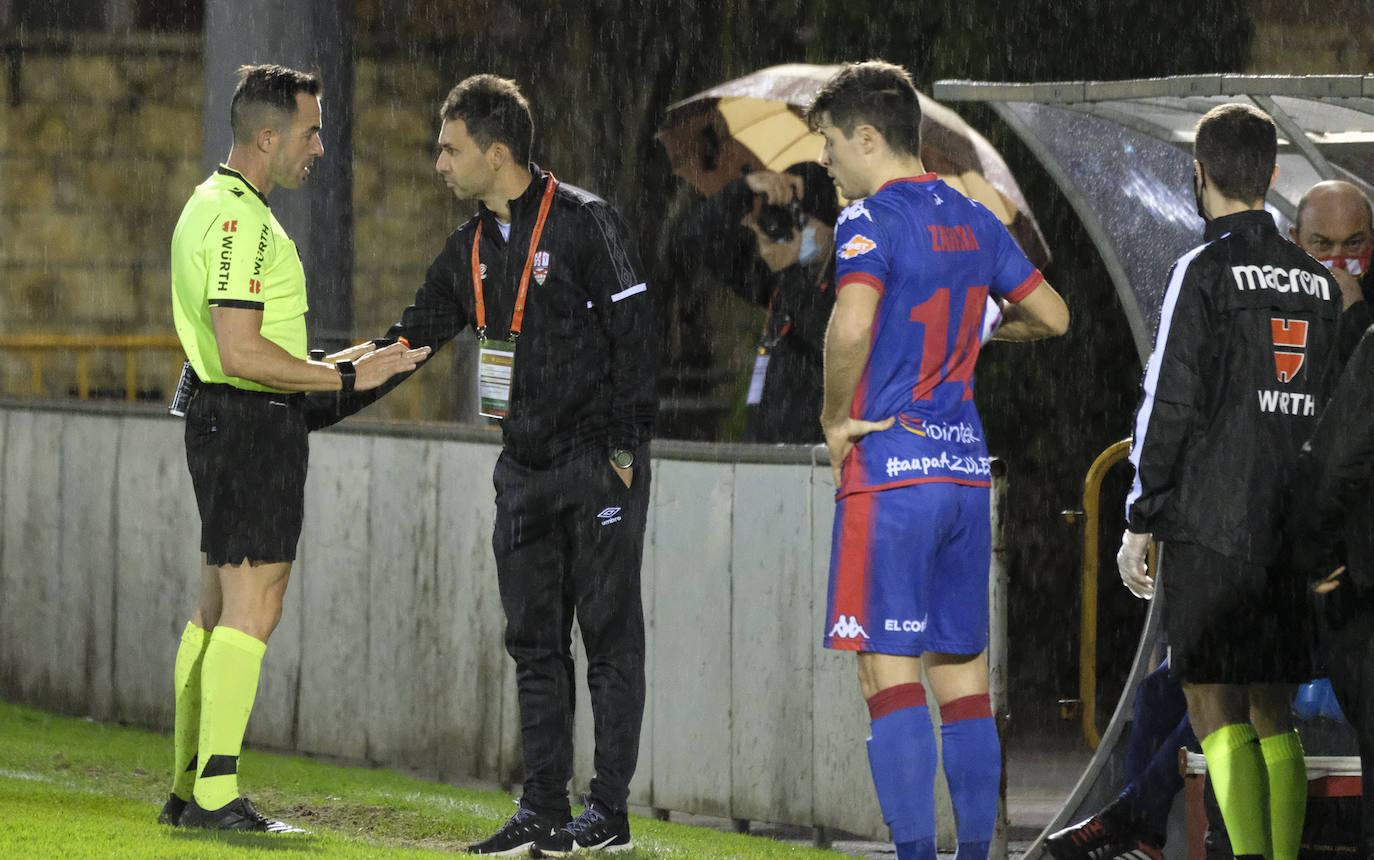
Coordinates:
[1283,757]
[1239,778]
[229,683]
[186,690]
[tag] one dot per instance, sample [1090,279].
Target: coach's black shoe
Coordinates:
[598,828]
[237,814]
[519,834]
[171,811]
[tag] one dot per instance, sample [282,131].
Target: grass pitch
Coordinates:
[74,788]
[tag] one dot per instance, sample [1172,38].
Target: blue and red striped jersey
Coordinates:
[934,256]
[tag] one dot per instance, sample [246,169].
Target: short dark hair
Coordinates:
[269,87]
[494,111]
[1236,144]
[878,93]
[819,197]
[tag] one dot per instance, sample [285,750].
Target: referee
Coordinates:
[239,301]
[1243,361]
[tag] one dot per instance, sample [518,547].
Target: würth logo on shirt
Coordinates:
[1290,344]
[848,627]
[230,226]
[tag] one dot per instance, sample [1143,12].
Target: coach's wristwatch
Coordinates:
[622,459]
[347,375]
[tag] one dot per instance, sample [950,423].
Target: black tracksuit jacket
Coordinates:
[1244,360]
[1331,515]
[586,362]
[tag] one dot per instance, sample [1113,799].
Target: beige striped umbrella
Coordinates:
[755,123]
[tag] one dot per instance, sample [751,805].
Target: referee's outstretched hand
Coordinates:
[377,367]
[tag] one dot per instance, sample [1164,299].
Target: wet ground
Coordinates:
[1041,771]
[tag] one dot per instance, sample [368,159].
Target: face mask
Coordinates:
[810,250]
[1199,183]
[1356,266]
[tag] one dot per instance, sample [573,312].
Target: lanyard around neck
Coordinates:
[519,315]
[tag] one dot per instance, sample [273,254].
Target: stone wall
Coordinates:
[98,146]
[1312,37]
[99,149]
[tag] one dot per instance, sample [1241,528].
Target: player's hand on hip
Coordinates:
[1130,563]
[377,367]
[841,437]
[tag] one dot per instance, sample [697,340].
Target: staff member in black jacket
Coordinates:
[1331,522]
[547,277]
[1242,364]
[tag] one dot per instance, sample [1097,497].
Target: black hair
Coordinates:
[271,87]
[494,111]
[1237,144]
[878,93]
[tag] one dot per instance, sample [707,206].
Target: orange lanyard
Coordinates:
[518,317]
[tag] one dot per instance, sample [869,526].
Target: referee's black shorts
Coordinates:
[1230,621]
[247,452]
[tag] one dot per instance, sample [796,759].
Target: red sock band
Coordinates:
[884,702]
[968,708]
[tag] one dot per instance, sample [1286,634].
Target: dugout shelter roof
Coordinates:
[1121,151]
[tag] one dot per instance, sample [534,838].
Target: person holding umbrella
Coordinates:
[916,261]
[769,237]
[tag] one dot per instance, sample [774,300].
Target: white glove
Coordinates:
[1130,562]
[992,319]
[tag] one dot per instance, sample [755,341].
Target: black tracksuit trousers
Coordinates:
[1345,621]
[568,543]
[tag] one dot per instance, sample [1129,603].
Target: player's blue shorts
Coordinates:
[909,570]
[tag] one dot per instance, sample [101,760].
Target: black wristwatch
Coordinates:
[622,459]
[347,375]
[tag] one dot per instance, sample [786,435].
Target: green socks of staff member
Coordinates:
[1283,757]
[1261,787]
[186,683]
[211,720]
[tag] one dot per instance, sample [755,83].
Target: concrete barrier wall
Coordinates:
[390,647]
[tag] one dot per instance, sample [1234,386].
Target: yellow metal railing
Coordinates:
[1085,706]
[39,346]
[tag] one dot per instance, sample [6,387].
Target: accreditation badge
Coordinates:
[756,381]
[494,365]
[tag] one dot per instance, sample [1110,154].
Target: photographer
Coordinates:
[769,238]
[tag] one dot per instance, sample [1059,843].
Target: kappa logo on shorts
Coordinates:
[609,515]
[848,627]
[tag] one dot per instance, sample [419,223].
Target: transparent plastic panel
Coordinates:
[1137,188]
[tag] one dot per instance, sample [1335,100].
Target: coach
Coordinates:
[548,279]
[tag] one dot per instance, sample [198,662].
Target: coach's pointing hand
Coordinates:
[1130,561]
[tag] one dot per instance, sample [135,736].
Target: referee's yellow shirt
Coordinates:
[229,251]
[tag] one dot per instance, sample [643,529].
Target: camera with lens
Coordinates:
[780,223]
